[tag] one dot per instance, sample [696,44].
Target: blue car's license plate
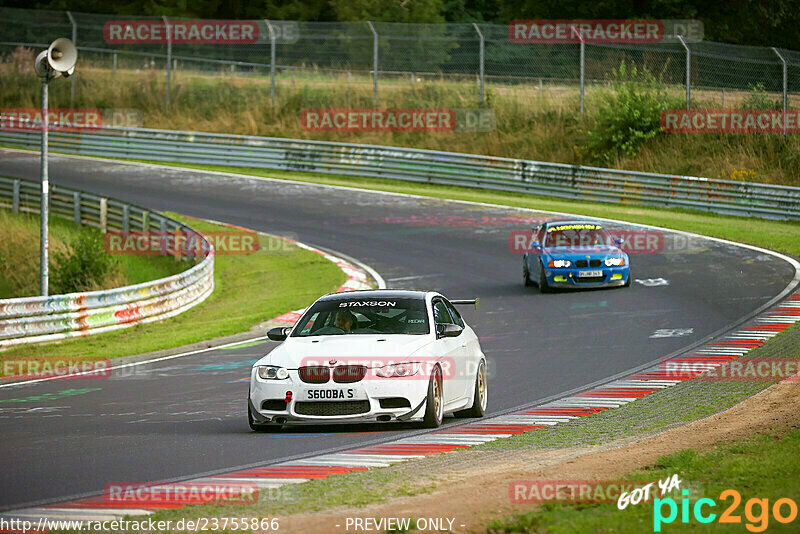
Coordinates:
[589,274]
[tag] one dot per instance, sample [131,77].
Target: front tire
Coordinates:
[526,276]
[480,397]
[434,403]
[543,287]
[628,281]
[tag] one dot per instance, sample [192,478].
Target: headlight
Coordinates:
[559,263]
[396,370]
[615,262]
[271,372]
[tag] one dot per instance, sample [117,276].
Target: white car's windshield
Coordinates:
[364,316]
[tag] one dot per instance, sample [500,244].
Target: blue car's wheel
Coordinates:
[543,287]
[526,276]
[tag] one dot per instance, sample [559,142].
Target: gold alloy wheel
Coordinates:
[437,397]
[482,386]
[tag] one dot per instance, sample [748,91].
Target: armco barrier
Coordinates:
[30,319]
[550,179]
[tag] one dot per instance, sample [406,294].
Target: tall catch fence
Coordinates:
[387,54]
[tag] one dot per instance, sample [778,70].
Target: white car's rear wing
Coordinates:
[466,301]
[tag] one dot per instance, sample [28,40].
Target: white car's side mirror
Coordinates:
[448,330]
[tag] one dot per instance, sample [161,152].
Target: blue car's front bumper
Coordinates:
[570,277]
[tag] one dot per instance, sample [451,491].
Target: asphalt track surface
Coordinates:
[186,416]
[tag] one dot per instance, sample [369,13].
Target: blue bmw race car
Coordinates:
[574,254]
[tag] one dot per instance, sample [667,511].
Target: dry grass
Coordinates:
[19,254]
[530,124]
[19,257]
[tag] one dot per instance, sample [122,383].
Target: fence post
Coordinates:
[75,42]
[374,64]
[44,246]
[271,60]
[688,71]
[169,57]
[126,218]
[15,198]
[785,86]
[113,66]
[481,53]
[103,215]
[583,64]
[145,221]
[76,207]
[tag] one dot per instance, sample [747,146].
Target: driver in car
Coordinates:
[345,320]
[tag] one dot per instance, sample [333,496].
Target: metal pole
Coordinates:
[785,86]
[583,72]
[583,64]
[74,41]
[169,57]
[480,35]
[688,72]
[374,64]
[271,60]
[44,272]
[113,65]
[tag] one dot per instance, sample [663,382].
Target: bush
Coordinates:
[628,114]
[758,98]
[83,267]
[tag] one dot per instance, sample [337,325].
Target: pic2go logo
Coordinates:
[758,520]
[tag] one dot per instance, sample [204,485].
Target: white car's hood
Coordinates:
[297,351]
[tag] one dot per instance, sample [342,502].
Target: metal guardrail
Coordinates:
[31,319]
[427,166]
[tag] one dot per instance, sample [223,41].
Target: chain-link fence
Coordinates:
[381,54]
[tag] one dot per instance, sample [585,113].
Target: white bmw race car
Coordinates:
[367,356]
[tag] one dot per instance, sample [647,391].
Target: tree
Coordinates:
[421,11]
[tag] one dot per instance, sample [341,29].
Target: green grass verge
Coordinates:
[759,467]
[685,402]
[249,289]
[19,256]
